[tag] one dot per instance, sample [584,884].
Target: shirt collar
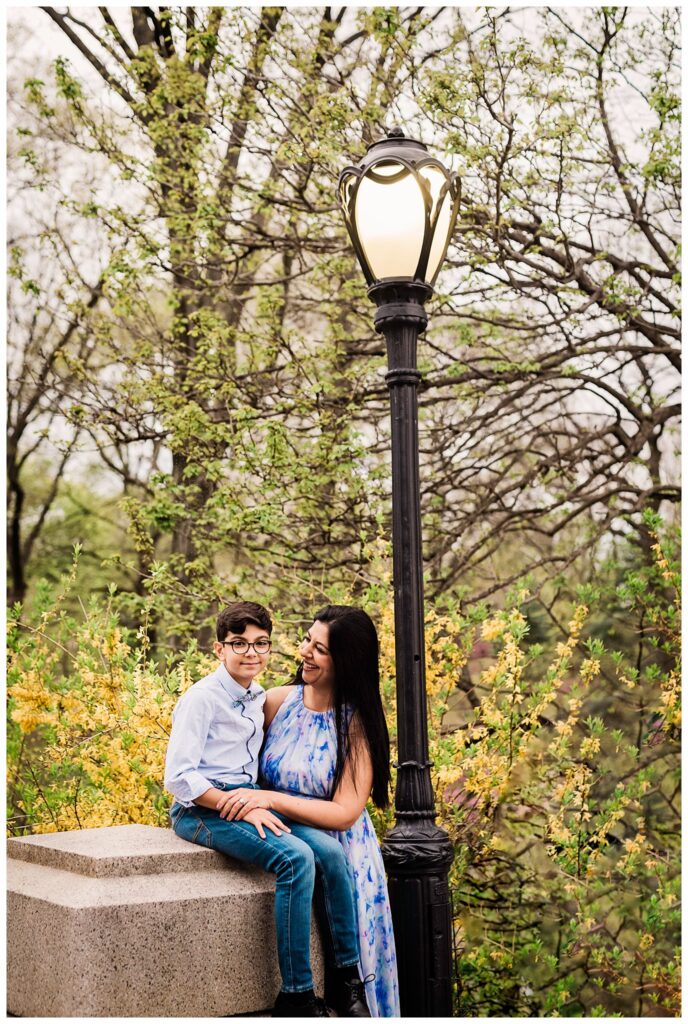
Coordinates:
[238,693]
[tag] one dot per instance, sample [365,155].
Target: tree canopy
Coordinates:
[209,338]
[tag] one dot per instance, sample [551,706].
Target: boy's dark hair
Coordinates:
[239,614]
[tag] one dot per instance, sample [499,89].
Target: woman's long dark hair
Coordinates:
[353,645]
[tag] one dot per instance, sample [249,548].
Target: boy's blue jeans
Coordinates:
[294,859]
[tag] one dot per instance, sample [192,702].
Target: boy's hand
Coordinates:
[236,803]
[260,817]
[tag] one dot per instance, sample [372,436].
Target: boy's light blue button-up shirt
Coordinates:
[217,733]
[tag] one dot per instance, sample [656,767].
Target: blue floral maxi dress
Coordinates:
[299,758]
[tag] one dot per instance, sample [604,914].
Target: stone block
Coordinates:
[132,921]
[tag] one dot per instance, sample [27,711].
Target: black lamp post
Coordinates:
[400,207]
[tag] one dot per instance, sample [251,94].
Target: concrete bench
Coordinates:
[131,921]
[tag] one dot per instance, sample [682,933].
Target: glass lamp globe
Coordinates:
[400,205]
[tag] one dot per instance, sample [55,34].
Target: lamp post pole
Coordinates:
[400,206]
[416,852]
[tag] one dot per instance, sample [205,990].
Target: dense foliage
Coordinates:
[561,801]
[196,403]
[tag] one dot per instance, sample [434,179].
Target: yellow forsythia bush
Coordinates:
[93,713]
[558,790]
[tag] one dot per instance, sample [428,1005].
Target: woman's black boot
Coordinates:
[345,992]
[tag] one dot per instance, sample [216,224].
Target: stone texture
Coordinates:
[133,921]
[117,850]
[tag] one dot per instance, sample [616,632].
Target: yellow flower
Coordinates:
[635,845]
[112,643]
[35,703]
[589,668]
[492,629]
[590,746]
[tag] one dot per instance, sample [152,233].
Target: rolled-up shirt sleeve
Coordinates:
[191,721]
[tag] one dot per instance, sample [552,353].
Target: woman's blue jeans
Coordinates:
[294,859]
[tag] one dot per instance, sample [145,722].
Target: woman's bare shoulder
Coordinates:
[274,699]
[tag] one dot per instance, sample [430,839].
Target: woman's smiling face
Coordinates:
[318,667]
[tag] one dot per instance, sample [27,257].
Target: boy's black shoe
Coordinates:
[349,999]
[299,1004]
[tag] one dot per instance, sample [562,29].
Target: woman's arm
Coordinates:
[274,699]
[337,814]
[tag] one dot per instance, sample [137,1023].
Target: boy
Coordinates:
[217,732]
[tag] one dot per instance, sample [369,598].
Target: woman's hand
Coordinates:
[235,804]
[260,817]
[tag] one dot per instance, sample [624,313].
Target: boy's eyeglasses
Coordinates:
[242,646]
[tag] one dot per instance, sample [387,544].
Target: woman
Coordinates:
[327,741]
